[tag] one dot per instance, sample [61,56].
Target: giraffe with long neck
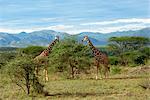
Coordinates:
[44,54]
[100,58]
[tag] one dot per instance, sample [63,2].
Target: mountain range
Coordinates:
[44,37]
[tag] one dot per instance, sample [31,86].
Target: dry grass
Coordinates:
[117,87]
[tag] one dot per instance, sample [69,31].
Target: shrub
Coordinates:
[21,71]
[113,60]
[115,70]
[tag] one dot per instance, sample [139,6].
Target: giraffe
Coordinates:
[100,58]
[39,59]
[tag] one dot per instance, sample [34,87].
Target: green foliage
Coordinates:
[21,71]
[115,70]
[32,50]
[125,43]
[146,52]
[70,57]
[134,57]
[130,50]
[140,60]
[6,57]
[132,39]
[113,60]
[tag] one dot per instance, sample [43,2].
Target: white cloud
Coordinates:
[132,20]
[102,27]
[50,19]
[63,28]
[60,27]
[14,31]
[108,29]
[121,28]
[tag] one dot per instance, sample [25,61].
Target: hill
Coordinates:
[43,37]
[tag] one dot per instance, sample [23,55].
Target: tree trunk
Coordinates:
[72,69]
[27,83]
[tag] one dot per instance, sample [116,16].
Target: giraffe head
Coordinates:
[85,38]
[57,38]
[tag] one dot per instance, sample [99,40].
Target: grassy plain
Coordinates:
[117,87]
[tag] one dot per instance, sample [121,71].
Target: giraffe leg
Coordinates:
[97,74]
[106,71]
[36,70]
[45,73]
[101,72]
[97,68]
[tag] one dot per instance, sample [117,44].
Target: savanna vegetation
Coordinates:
[71,72]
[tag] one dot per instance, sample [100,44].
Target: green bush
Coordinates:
[21,71]
[140,60]
[115,70]
[134,57]
[114,60]
[6,57]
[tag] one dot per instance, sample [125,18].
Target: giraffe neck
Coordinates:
[94,50]
[90,44]
[48,50]
[52,44]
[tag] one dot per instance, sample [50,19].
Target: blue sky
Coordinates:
[74,16]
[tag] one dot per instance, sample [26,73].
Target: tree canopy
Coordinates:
[32,50]
[129,49]
[69,56]
[128,43]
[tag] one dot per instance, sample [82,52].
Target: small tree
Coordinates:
[21,71]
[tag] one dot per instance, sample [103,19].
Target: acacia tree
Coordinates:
[146,52]
[21,71]
[70,57]
[32,50]
[120,45]
[6,57]
[123,44]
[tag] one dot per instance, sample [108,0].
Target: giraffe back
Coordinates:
[100,56]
